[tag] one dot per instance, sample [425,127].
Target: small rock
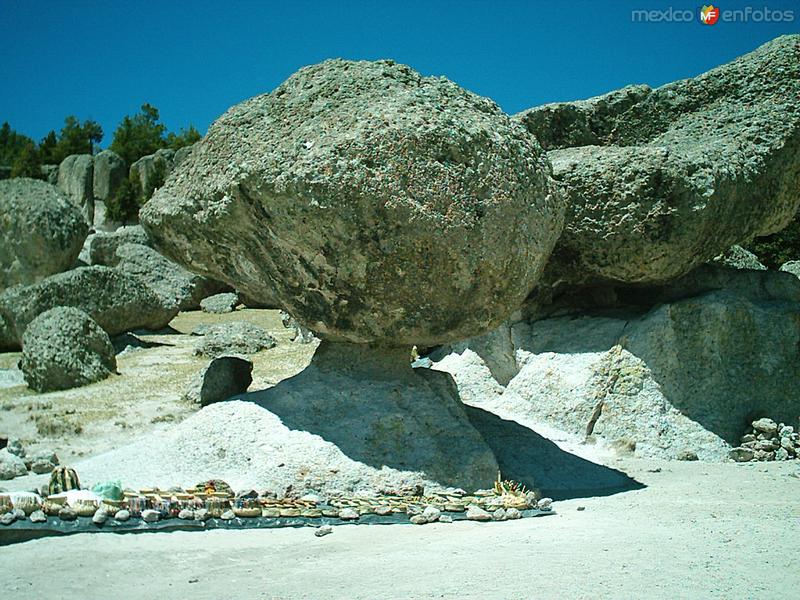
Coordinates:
[7,518]
[122,515]
[531,499]
[431,514]
[766,445]
[312,498]
[418,520]
[186,514]
[15,447]
[785,431]
[99,517]
[228,515]
[512,514]
[545,504]
[781,454]
[348,514]
[787,443]
[271,513]
[689,455]
[413,509]
[741,454]
[581,508]
[11,465]
[201,514]
[748,438]
[499,515]
[383,510]
[445,519]
[67,514]
[323,531]
[150,516]
[38,516]
[220,303]
[19,514]
[476,513]
[766,426]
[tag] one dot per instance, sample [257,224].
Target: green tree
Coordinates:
[139,135]
[47,149]
[27,163]
[125,203]
[778,248]
[11,144]
[186,137]
[77,138]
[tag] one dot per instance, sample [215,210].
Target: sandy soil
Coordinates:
[697,530]
[87,421]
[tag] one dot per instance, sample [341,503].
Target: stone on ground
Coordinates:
[375,204]
[64,348]
[660,181]
[236,337]
[41,232]
[225,376]
[118,302]
[220,303]
[11,465]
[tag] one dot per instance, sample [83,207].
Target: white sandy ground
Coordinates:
[698,530]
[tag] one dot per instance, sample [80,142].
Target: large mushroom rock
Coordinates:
[76,180]
[64,348]
[662,180]
[117,301]
[375,204]
[41,232]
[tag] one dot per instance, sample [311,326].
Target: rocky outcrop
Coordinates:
[687,374]
[109,173]
[76,180]
[401,209]
[118,302]
[660,181]
[103,246]
[41,232]
[225,376]
[174,284]
[64,348]
[793,267]
[152,170]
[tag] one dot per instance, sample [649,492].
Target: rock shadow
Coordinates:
[527,457]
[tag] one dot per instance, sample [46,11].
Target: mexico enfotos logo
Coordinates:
[710,15]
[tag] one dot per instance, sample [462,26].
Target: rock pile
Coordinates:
[767,440]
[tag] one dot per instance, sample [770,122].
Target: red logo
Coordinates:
[709,14]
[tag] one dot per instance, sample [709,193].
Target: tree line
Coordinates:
[135,136]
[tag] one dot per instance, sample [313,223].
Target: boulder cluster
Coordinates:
[767,440]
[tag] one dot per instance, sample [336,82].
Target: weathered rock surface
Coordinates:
[376,205]
[171,282]
[103,246]
[11,465]
[737,257]
[220,303]
[109,173]
[225,376]
[662,180]
[151,170]
[41,232]
[687,374]
[118,302]
[236,337]
[793,267]
[181,154]
[76,180]
[64,348]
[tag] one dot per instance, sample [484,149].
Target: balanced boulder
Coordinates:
[660,181]
[118,302]
[41,232]
[76,180]
[64,348]
[225,376]
[375,204]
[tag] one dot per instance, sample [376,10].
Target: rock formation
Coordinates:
[76,180]
[109,173]
[660,181]
[41,232]
[375,204]
[64,348]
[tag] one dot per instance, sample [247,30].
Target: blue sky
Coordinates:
[193,60]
